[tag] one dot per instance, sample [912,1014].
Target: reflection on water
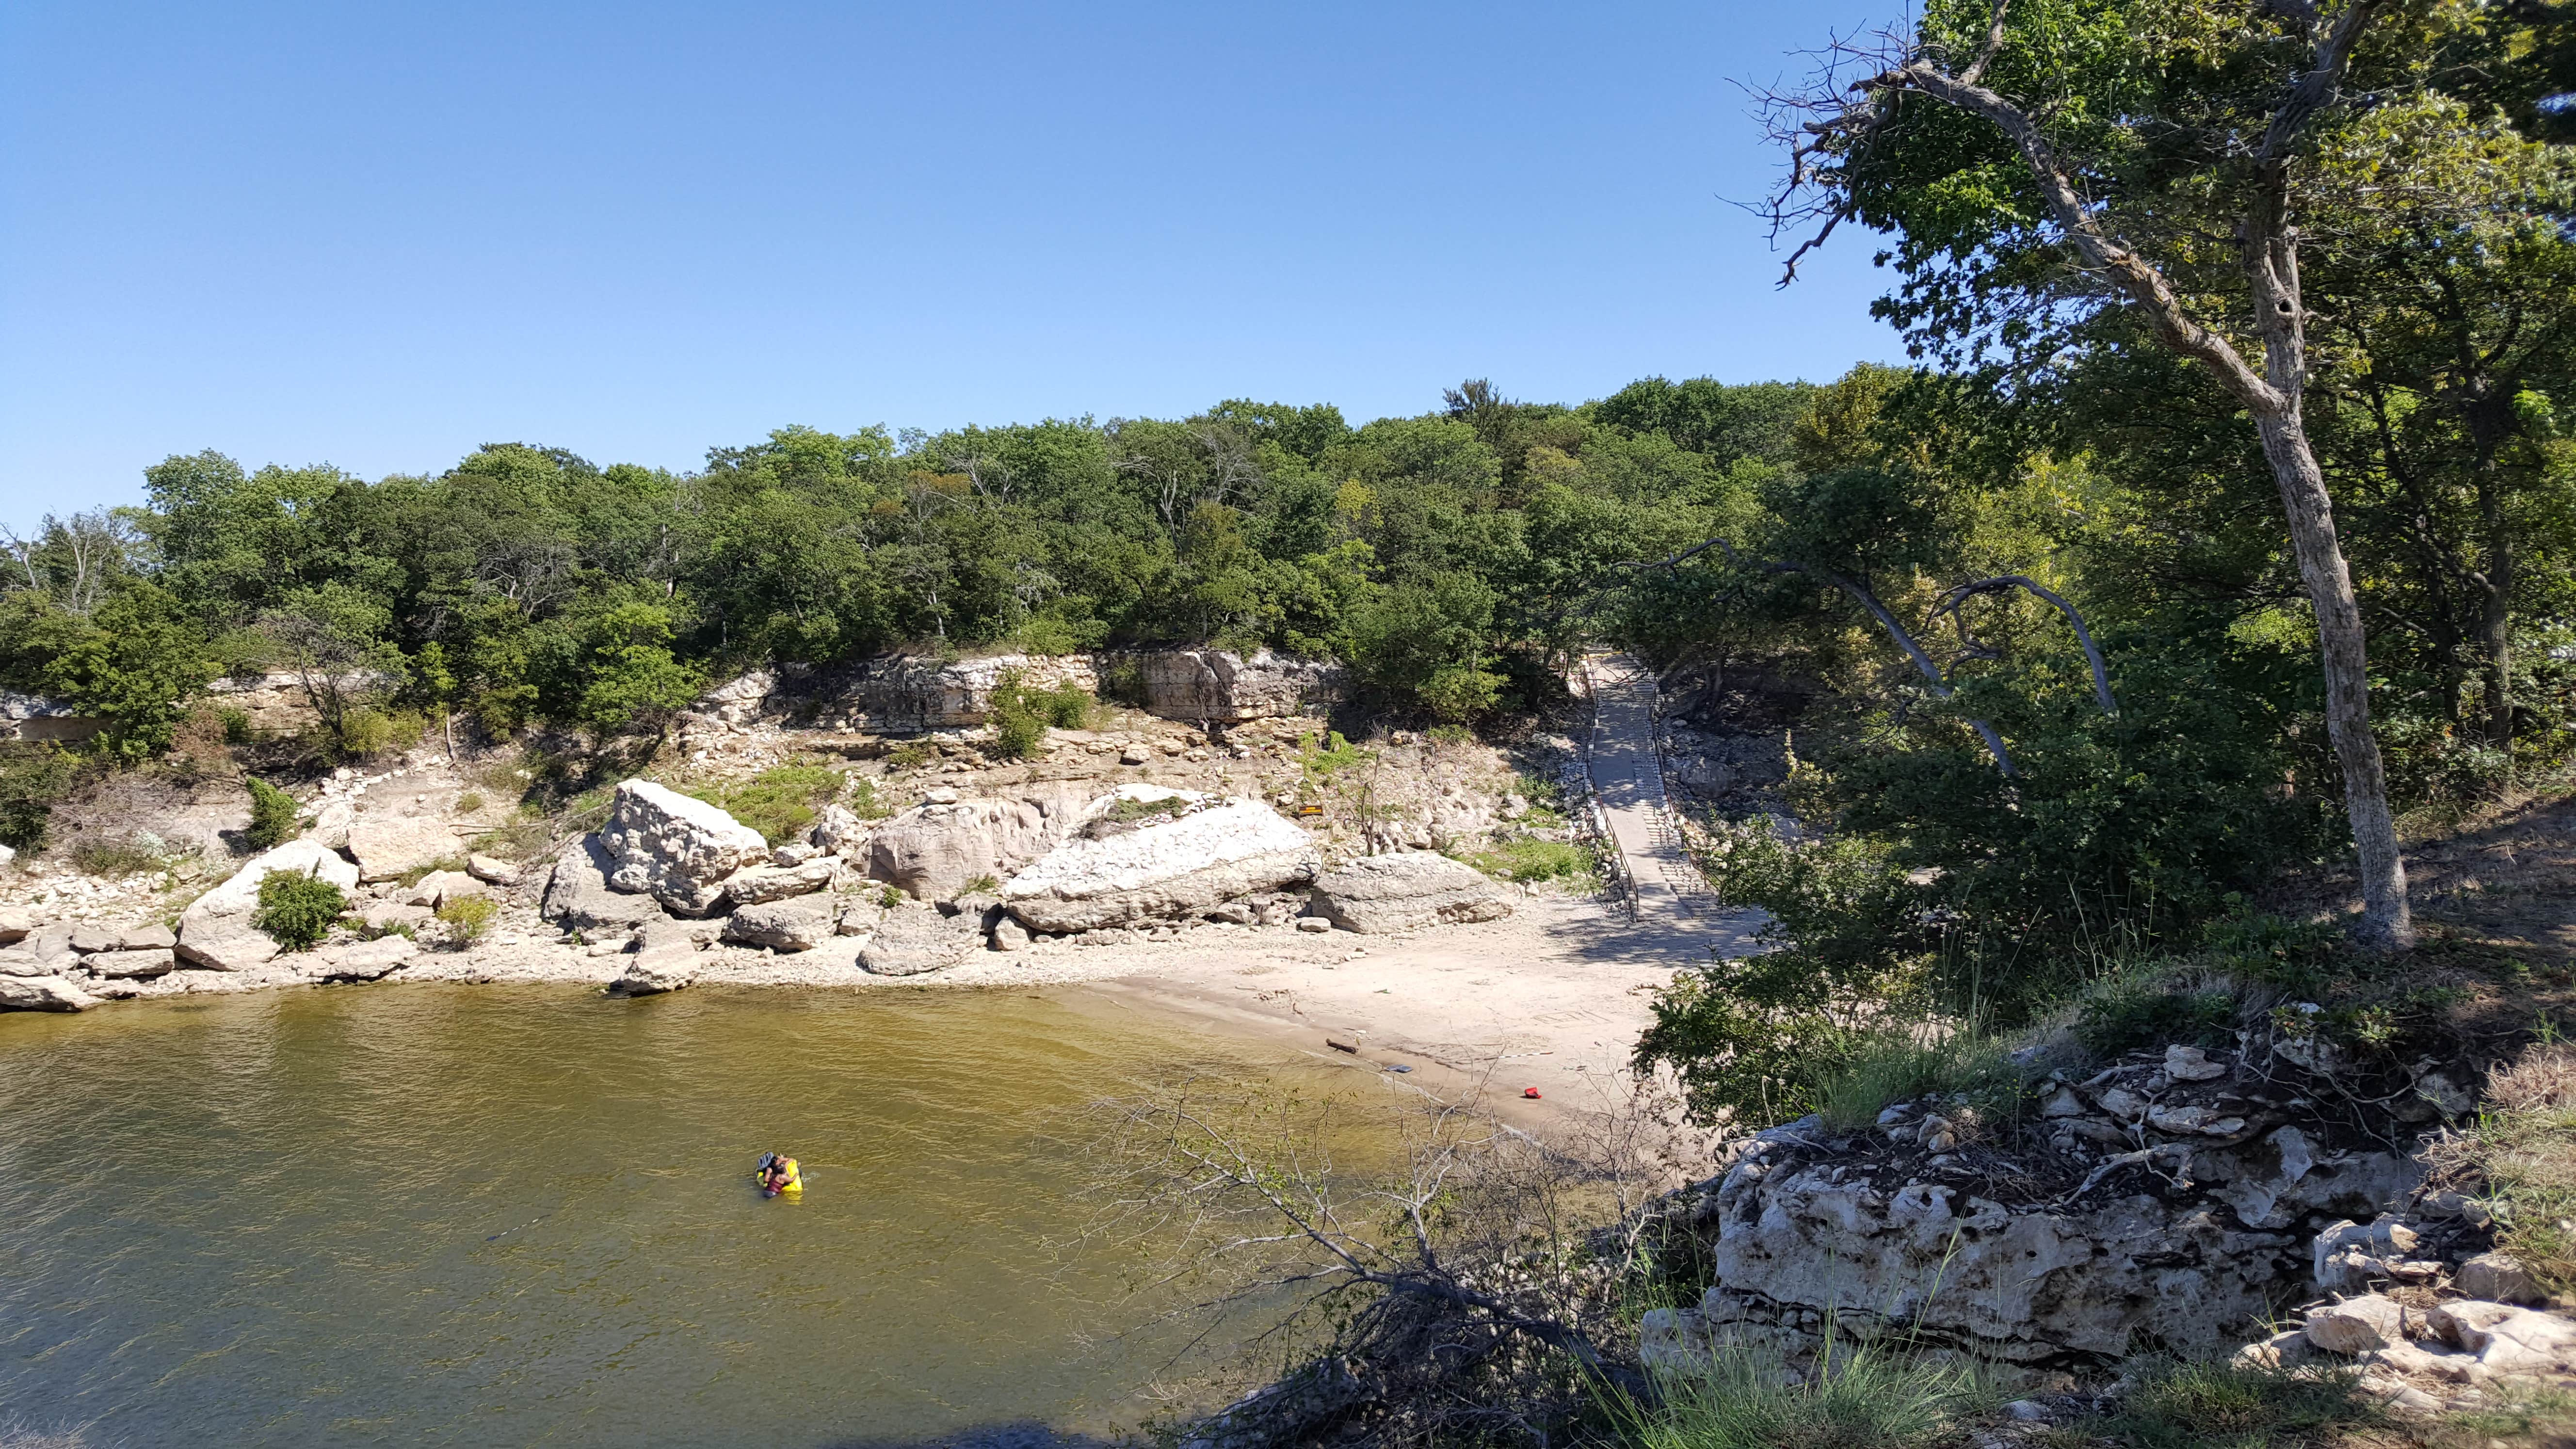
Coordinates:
[523,1215]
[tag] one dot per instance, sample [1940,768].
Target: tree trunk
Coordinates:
[2495,624]
[2386,921]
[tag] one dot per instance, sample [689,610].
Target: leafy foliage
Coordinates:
[297,909]
[272,815]
[778,802]
[33,777]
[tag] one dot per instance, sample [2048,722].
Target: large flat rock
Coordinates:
[388,848]
[1402,892]
[1183,865]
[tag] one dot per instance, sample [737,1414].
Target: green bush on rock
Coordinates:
[296,909]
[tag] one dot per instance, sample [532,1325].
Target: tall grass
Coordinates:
[1967,1066]
[1868,1399]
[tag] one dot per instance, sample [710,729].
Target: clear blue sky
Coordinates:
[379,235]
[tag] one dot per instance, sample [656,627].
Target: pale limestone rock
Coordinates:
[89,940]
[578,897]
[42,993]
[365,960]
[2190,1064]
[837,830]
[2499,1277]
[914,939]
[215,932]
[441,886]
[154,937]
[2357,1325]
[1161,867]
[1313,924]
[763,883]
[779,925]
[656,970]
[1381,893]
[133,965]
[15,924]
[382,916]
[2464,1321]
[492,869]
[2122,1103]
[676,849]
[1221,686]
[932,850]
[238,948]
[390,847]
[1008,935]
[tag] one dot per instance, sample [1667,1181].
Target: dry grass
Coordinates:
[2521,1154]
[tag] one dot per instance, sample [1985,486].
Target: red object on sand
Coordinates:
[1529,1091]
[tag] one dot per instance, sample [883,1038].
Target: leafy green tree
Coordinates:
[630,679]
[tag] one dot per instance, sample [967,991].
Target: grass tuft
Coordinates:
[1870,1400]
[1967,1067]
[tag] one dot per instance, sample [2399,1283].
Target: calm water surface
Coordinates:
[522,1215]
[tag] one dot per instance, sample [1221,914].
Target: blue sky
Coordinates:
[379,235]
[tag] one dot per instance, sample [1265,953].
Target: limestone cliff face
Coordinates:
[2164,1204]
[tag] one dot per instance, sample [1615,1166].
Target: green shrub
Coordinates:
[1966,1067]
[981,885]
[296,909]
[912,756]
[272,815]
[367,732]
[778,802]
[2127,1014]
[468,803]
[1022,715]
[1530,860]
[33,779]
[468,917]
[862,800]
[1869,1400]
[236,722]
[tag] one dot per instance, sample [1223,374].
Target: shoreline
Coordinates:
[1552,996]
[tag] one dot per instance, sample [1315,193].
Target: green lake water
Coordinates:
[523,1215]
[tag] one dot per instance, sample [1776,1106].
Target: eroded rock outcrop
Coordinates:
[2162,1210]
[1407,891]
[1224,687]
[1198,853]
[674,848]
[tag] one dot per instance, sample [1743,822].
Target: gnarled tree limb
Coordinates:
[1951,601]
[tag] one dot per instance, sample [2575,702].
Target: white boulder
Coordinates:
[365,960]
[934,850]
[915,938]
[2357,1325]
[133,965]
[1401,892]
[1205,852]
[42,993]
[656,970]
[779,925]
[763,883]
[676,849]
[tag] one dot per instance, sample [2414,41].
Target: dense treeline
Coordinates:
[1445,556]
